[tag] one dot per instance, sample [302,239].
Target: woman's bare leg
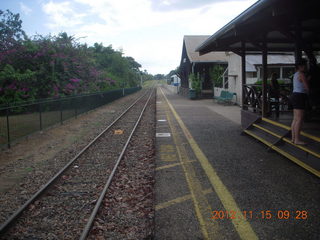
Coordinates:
[293,127]
[299,113]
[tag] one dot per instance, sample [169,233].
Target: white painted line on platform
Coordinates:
[162,120]
[163,134]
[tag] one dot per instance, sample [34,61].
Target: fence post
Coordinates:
[8,129]
[75,107]
[40,116]
[61,112]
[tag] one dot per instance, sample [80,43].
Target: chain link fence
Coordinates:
[22,119]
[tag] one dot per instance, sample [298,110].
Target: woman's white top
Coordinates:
[298,86]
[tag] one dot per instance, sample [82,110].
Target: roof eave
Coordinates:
[243,16]
[216,61]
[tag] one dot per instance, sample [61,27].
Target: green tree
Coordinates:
[53,66]
[159,77]
[174,72]
[18,85]
[216,75]
[11,32]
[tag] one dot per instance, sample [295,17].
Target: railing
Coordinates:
[253,98]
[20,120]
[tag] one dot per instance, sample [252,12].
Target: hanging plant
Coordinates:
[195,82]
[216,75]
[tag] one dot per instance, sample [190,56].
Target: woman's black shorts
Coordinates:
[299,100]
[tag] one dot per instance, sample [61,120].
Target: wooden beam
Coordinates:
[298,43]
[243,73]
[264,79]
[312,59]
[257,45]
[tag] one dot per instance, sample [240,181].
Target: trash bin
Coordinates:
[192,94]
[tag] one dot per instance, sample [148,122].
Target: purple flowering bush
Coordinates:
[54,66]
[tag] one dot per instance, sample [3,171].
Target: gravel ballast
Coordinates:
[40,173]
[128,208]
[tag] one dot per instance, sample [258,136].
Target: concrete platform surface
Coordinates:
[212,182]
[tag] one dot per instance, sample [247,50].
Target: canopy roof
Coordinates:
[279,23]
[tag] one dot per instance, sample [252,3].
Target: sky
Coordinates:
[150,31]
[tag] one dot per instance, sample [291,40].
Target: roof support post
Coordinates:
[297,52]
[298,42]
[243,73]
[312,59]
[264,79]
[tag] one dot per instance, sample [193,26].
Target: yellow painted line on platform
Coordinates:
[202,208]
[241,225]
[167,153]
[169,148]
[169,166]
[179,200]
[168,157]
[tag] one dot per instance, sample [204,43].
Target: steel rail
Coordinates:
[87,228]
[17,213]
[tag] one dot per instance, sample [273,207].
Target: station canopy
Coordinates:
[281,25]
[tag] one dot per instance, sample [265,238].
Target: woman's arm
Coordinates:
[304,81]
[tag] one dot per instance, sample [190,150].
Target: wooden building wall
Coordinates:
[185,68]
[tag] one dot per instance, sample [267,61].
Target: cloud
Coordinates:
[25,9]
[62,15]
[159,55]
[172,5]
[152,37]
[124,15]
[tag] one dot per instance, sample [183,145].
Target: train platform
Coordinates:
[212,182]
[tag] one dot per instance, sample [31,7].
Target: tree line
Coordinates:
[53,66]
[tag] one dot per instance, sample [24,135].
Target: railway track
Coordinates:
[66,206]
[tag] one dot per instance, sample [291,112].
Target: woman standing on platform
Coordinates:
[299,99]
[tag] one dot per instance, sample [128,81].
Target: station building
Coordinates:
[192,63]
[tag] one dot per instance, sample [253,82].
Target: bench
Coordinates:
[225,97]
